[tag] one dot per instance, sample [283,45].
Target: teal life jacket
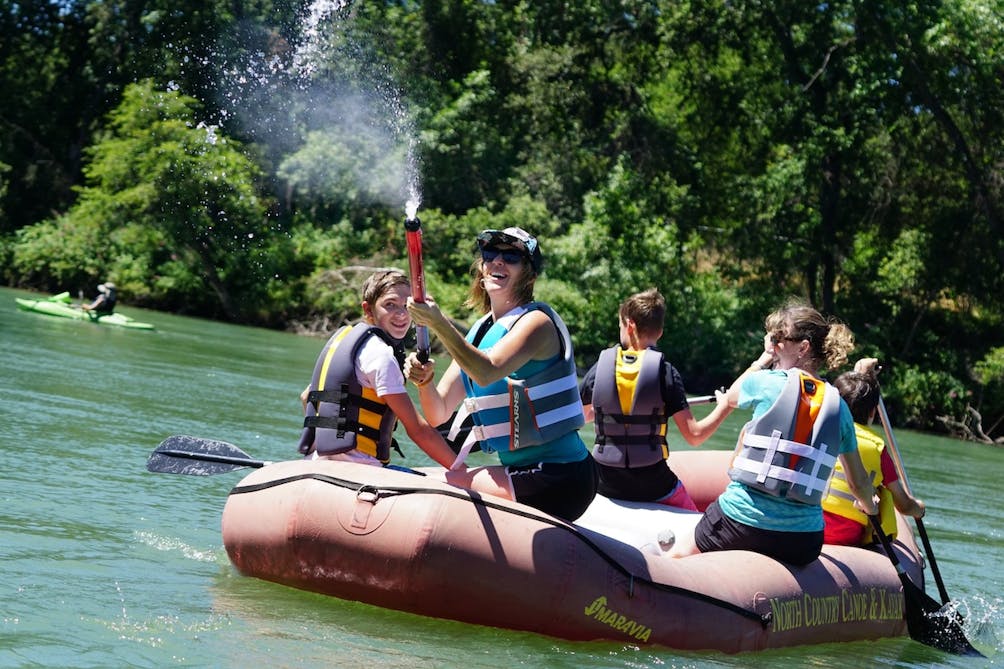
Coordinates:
[531,406]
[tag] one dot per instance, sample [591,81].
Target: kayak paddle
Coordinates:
[183,454]
[925,619]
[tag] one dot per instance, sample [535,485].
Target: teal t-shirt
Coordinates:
[750,507]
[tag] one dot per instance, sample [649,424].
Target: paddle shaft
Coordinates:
[901,470]
[413,236]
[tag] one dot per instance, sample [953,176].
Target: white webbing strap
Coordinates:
[773,441]
[477,433]
[772,444]
[465,450]
[566,382]
[774,472]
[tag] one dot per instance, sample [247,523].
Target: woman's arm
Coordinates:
[860,482]
[764,361]
[904,502]
[439,400]
[533,337]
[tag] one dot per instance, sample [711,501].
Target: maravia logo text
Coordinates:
[598,610]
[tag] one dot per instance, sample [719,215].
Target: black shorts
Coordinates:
[640,484]
[717,532]
[562,489]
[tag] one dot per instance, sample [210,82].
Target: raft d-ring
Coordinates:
[368,493]
[364,509]
[366,499]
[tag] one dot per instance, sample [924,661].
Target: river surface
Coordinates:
[107,565]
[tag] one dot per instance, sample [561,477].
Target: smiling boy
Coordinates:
[357,393]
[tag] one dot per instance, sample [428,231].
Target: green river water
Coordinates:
[107,565]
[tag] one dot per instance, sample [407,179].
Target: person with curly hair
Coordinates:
[800,429]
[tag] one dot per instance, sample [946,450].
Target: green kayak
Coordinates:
[59,305]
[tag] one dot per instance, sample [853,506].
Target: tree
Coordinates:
[170,204]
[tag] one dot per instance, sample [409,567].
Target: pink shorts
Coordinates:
[679,497]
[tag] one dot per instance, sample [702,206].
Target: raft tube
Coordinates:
[408,542]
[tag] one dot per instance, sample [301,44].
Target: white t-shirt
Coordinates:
[377,368]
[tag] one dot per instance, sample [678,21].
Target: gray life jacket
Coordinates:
[791,449]
[341,414]
[638,438]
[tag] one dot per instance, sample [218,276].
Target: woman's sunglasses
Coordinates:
[508,257]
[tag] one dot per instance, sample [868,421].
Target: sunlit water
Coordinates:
[105,564]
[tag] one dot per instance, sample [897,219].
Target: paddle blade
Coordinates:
[925,619]
[935,625]
[183,454]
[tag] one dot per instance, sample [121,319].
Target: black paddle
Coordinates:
[925,619]
[901,470]
[183,454]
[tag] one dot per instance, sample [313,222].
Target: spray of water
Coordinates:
[329,114]
[411,208]
[310,48]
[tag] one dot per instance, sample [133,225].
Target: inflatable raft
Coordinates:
[407,542]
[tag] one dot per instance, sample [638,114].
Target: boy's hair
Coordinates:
[382,281]
[861,392]
[648,311]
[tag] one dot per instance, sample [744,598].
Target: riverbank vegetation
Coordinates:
[250,161]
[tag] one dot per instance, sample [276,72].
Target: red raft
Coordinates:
[411,543]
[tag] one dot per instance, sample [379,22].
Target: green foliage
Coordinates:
[990,370]
[922,395]
[466,157]
[59,252]
[989,373]
[729,154]
[165,193]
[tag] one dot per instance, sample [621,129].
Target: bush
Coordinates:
[920,396]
